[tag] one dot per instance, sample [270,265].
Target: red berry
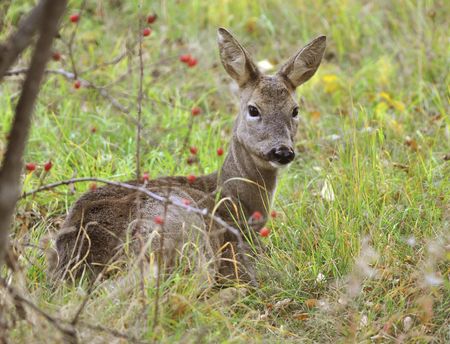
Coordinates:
[196,111]
[152,18]
[48,166]
[264,232]
[56,56]
[74,18]
[185,201]
[146,32]
[191,178]
[257,216]
[158,220]
[220,151]
[93,186]
[77,84]
[30,166]
[193,150]
[273,214]
[185,58]
[93,130]
[145,176]
[192,62]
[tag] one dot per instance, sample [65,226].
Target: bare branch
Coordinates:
[12,161]
[85,83]
[20,39]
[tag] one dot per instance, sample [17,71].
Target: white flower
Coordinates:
[364,321]
[407,323]
[320,277]
[433,279]
[265,66]
[327,192]
[411,241]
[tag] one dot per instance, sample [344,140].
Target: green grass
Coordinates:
[375,125]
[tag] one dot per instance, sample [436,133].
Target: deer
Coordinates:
[105,220]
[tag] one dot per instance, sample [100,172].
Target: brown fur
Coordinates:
[97,229]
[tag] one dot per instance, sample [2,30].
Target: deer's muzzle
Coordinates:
[282,155]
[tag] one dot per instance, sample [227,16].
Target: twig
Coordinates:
[72,39]
[139,107]
[188,135]
[111,331]
[114,61]
[160,262]
[68,333]
[175,202]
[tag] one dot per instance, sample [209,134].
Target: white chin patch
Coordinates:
[277,165]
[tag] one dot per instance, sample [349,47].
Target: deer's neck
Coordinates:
[245,182]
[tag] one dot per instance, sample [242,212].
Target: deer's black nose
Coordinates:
[282,155]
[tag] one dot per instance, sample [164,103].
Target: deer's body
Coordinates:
[103,222]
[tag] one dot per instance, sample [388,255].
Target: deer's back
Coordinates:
[103,222]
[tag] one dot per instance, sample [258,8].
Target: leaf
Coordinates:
[251,24]
[281,304]
[311,303]
[300,316]
[315,115]
[411,143]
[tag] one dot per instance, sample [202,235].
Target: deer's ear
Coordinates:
[235,59]
[302,66]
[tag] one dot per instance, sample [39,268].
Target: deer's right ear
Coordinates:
[302,66]
[235,59]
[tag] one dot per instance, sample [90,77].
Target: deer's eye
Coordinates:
[253,111]
[295,112]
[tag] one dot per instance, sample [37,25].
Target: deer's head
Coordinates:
[269,113]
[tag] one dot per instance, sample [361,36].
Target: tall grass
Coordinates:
[374,136]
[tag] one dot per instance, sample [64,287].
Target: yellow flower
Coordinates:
[381,108]
[385,96]
[397,127]
[331,83]
[385,69]
[398,105]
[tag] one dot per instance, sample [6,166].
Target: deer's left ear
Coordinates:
[302,66]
